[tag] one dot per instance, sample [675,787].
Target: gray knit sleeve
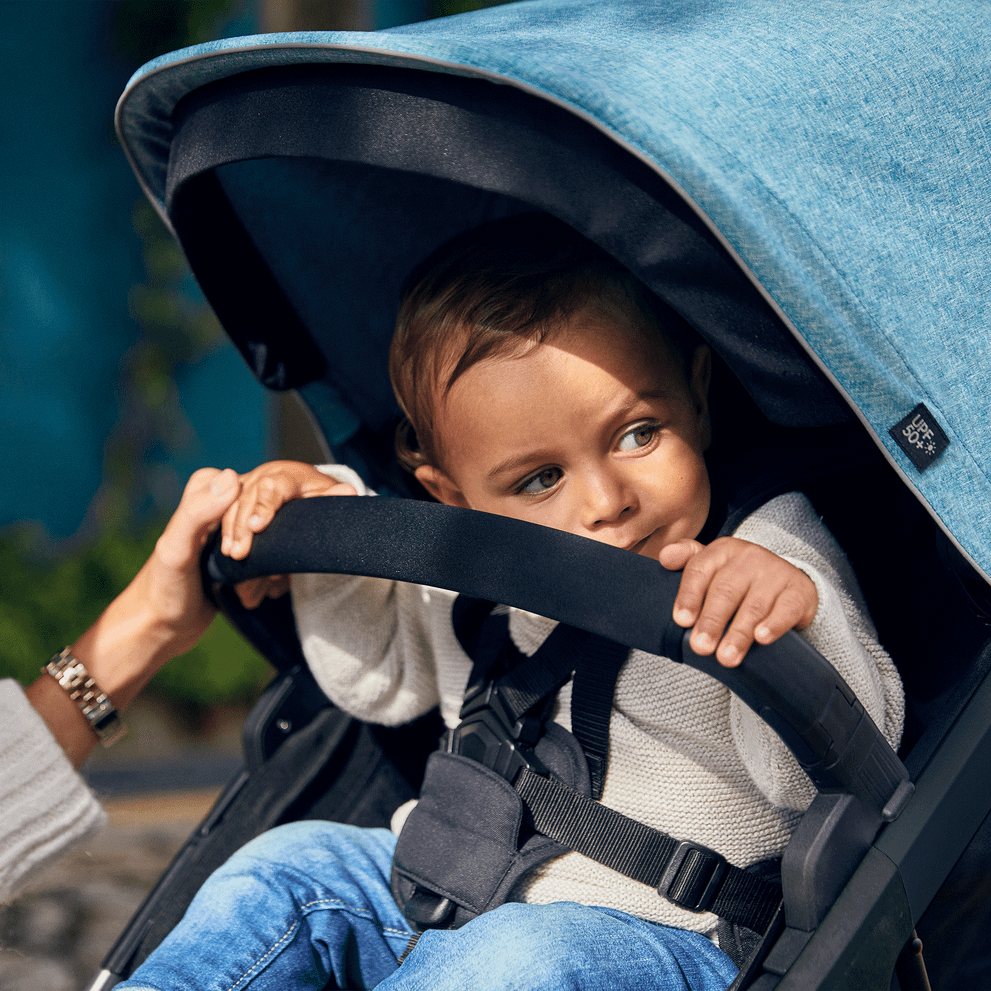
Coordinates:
[45,806]
[841,631]
[383,651]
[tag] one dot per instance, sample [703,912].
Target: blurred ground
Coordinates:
[55,935]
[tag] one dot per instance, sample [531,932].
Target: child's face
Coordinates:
[595,431]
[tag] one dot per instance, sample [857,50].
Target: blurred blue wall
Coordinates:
[68,258]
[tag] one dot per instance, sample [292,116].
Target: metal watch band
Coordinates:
[92,701]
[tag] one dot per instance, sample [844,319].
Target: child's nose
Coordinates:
[608,498]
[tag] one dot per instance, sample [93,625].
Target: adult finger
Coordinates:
[207,495]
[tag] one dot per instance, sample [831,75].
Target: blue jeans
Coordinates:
[307,906]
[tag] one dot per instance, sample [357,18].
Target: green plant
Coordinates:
[46,603]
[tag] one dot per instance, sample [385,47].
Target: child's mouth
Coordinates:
[638,547]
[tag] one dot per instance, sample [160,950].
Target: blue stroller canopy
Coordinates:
[838,152]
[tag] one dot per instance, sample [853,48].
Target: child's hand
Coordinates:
[263,491]
[733,581]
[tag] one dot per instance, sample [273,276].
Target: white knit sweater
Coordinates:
[45,806]
[686,756]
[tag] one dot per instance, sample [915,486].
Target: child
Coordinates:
[541,382]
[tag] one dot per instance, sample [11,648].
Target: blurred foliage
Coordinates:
[178,329]
[144,29]
[45,605]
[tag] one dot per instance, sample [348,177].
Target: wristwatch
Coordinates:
[92,700]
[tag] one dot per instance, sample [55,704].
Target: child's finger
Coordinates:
[725,601]
[278,585]
[263,492]
[227,527]
[250,592]
[742,596]
[794,609]
[675,556]
[267,495]
[767,615]
[255,590]
[738,583]
[261,498]
[696,581]
[751,614]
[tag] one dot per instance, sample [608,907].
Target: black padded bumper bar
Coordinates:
[602,589]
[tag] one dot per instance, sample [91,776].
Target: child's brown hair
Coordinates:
[496,291]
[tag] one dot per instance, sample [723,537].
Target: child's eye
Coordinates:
[640,436]
[545,479]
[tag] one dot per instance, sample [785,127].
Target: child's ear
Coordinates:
[440,486]
[698,388]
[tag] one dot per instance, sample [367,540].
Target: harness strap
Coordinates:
[595,661]
[532,679]
[688,874]
[504,681]
[510,696]
[598,667]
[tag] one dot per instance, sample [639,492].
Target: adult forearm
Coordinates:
[122,651]
[161,614]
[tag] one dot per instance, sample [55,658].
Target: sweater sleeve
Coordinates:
[45,806]
[372,644]
[841,631]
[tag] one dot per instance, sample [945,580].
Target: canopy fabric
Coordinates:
[839,151]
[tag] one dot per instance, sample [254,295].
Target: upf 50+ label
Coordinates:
[920,437]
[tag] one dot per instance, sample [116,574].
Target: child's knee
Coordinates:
[306,859]
[522,947]
[562,945]
[317,840]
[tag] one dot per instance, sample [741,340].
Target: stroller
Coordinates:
[806,186]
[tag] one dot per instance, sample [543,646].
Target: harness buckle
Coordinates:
[425,909]
[486,735]
[692,876]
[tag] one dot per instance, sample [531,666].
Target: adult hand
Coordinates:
[162,613]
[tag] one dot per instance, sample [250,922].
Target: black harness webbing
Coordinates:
[596,673]
[688,874]
[526,684]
